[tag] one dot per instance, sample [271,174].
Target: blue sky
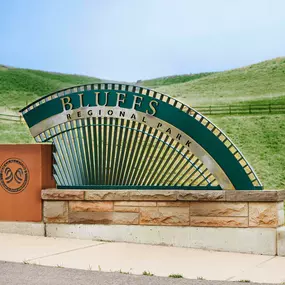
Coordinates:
[140,39]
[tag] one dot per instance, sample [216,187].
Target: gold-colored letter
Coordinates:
[135,101]
[119,99]
[97,98]
[66,103]
[151,105]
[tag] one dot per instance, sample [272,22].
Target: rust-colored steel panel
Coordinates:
[25,169]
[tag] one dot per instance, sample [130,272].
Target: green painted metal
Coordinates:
[103,150]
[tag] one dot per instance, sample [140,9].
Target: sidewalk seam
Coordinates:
[256,266]
[265,261]
[58,253]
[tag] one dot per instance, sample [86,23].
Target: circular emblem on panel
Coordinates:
[14,175]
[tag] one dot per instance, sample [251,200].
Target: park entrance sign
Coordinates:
[118,136]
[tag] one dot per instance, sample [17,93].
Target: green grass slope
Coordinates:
[11,132]
[261,139]
[21,86]
[168,80]
[258,83]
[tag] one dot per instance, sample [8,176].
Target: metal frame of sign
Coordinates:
[119,136]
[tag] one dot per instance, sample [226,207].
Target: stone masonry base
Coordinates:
[237,221]
[234,209]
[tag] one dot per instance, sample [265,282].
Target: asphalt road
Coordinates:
[26,274]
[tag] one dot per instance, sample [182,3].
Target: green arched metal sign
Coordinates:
[121,136]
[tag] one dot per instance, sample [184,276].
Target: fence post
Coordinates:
[269,108]
[230,109]
[249,109]
[210,110]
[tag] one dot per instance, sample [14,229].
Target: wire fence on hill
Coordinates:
[207,110]
[241,109]
[8,117]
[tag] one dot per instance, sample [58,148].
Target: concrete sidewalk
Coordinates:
[136,258]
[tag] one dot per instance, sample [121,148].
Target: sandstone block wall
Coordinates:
[242,209]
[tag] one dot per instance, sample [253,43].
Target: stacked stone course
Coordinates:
[237,209]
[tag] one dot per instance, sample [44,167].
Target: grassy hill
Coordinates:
[168,80]
[20,86]
[261,140]
[258,83]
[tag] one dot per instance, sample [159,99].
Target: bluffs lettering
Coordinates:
[101,99]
